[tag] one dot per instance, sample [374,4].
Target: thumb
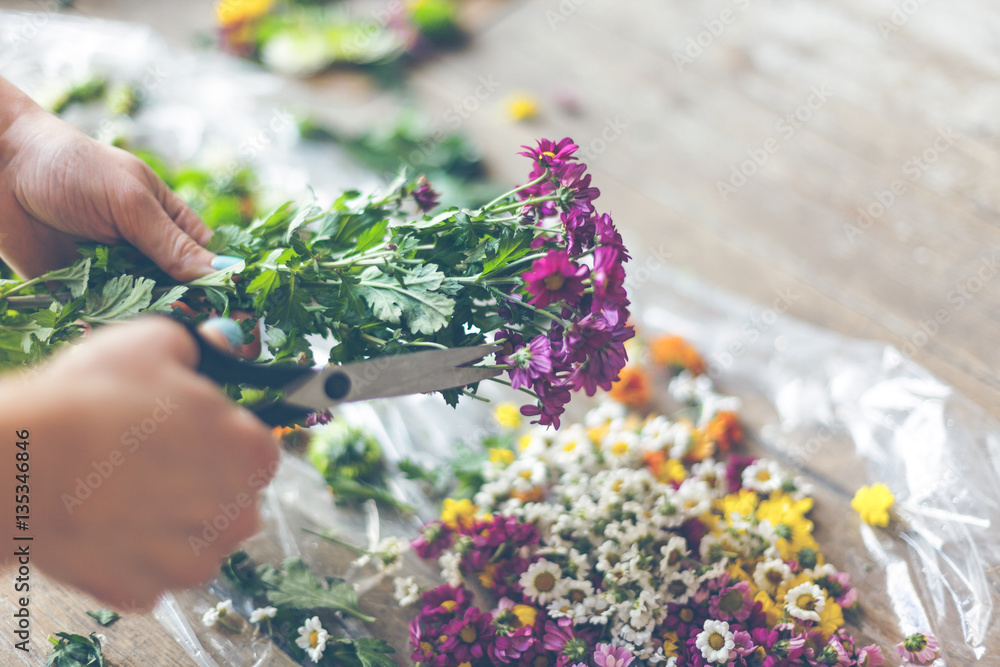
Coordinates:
[158,237]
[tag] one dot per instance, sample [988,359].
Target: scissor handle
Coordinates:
[224,368]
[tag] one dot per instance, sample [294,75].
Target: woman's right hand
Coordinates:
[143,474]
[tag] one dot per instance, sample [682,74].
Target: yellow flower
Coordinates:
[771,610]
[873,503]
[788,517]
[501,455]
[522,107]
[457,513]
[670,642]
[831,618]
[525,614]
[507,415]
[486,577]
[524,441]
[743,503]
[232,12]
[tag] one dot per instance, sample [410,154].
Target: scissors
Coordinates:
[307,390]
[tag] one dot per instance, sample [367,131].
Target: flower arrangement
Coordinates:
[537,269]
[622,541]
[302,38]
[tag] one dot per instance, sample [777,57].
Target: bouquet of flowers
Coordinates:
[622,541]
[537,269]
[303,38]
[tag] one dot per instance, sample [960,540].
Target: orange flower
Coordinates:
[724,430]
[674,351]
[280,432]
[701,447]
[664,468]
[631,388]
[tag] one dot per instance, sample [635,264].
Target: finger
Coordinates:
[178,210]
[223,332]
[158,237]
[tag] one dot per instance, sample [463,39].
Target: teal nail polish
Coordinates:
[229,328]
[222,262]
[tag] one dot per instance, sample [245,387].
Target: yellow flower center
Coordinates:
[425,647]
[554,282]
[716,641]
[805,601]
[545,582]
[314,638]
[763,475]
[468,634]
[686,614]
[619,448]
[449,605]
[569,446]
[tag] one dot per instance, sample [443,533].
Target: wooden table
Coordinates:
[838,150]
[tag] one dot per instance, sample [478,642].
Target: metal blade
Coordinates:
[399,375]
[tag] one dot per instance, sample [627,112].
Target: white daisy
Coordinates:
[680,586]
[406,591]
[805,602]
[312,638]
[769,575]
[222,614]
[715,641]
[673,554]
[451,567]
[263,613]
[763,476]
[542,581]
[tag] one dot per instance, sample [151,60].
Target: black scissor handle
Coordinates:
[224,368]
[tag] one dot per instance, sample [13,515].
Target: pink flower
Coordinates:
[870,656]
[607,655]
[918,648]
[555,277]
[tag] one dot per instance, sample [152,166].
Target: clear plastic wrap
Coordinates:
[844,412]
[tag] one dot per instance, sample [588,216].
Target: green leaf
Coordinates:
[374,652]
[122,297]
[226,236]
[75,651]
[75,277]
[263,286]
[296,586]
[416,298]
[372,236]
[104,617]
[511,247]
[162,305]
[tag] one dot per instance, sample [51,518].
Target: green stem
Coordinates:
[528,202]
[373,339]
[334,540]
[513,192]
[17,288]
[522,389]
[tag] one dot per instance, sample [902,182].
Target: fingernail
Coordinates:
[228,328]
[222,262]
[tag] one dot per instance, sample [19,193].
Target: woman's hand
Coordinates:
[59,187]
[143,475]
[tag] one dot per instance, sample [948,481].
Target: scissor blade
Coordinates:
[399,375]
